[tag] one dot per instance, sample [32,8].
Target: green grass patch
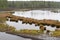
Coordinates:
[56,33]
[2,20]
[31,32]
[5,28]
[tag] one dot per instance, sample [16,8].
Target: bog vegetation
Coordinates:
[5,5]
[10,29]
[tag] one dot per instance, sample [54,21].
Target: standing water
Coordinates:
[35,14]
[38,14]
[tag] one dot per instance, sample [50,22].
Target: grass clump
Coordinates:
[5,28]
[2,20]
[31,32]
[56,33]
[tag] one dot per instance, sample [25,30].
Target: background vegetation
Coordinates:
[34,4]
[3,4]
[8,5]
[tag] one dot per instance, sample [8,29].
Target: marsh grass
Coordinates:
[2,20]
[31,32]
[56,33]
[6,28]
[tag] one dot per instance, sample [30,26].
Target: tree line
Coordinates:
[4,4]
[34,4]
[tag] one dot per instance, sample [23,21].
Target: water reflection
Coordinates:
[39,14]
[19,25]
[50,28]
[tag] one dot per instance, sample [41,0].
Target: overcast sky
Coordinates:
[35,0]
